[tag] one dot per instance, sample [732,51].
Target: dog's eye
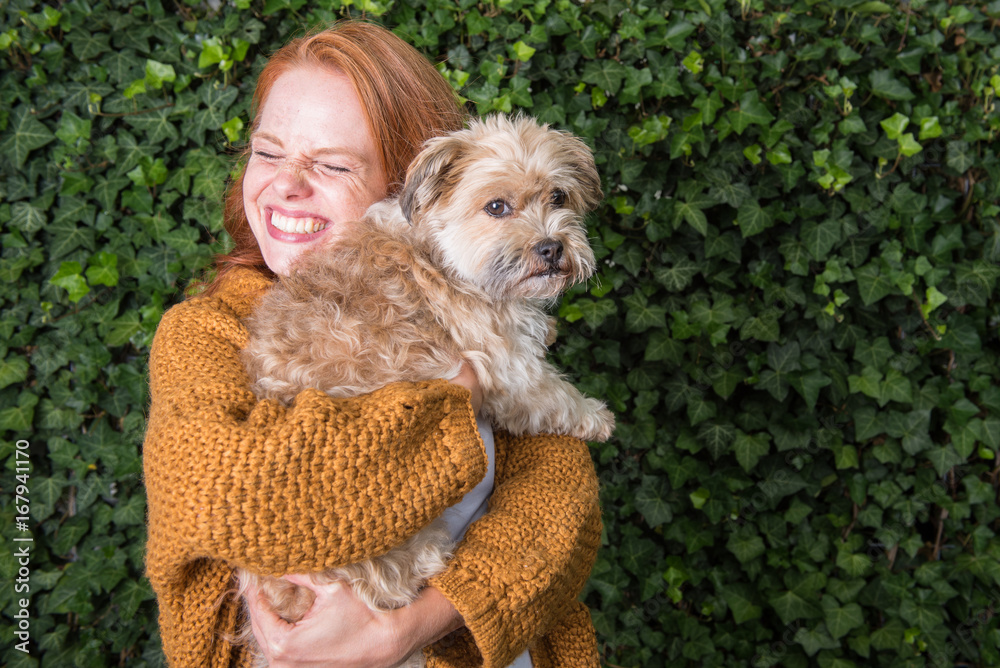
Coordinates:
[498,208]
[558,198]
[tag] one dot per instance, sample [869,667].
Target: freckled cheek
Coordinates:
[253,184]
[355,199]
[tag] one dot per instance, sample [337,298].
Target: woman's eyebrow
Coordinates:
[266,136]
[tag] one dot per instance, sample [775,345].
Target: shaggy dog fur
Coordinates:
[487,232]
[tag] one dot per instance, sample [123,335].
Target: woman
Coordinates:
[233,482]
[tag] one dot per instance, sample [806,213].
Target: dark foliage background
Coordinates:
[795,317]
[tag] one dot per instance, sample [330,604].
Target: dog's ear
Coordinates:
[428,174]
[581,159]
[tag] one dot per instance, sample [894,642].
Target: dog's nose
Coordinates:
[550,250]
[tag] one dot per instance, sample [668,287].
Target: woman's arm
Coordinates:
[521,566]
[538,543]
[328,481]
[236,482]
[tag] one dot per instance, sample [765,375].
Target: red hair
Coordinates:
[405,100]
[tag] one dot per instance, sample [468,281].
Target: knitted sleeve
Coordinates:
[521,566]
[302,488]
[231,481]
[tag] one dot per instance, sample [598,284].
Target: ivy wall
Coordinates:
[795,317]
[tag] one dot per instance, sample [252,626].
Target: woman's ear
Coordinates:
[426,177]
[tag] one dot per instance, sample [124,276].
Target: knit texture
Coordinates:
[233,482]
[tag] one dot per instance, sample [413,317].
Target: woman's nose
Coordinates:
[292,180]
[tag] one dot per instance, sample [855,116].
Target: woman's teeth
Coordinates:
[297,225]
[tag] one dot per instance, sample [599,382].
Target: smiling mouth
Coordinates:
[296,225]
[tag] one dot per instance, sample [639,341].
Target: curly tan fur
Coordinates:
[488,230]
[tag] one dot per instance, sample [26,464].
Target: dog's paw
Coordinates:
[597,425]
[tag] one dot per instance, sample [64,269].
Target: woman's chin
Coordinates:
[284,248]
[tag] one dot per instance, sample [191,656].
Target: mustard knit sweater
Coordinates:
[236,482]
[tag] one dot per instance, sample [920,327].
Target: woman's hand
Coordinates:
[340,631]
[467,379]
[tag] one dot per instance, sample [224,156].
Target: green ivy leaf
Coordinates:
[745,546]
[959,157]
[854,565]
[889,636]
[691,212]
[884,84]
[740,599]
[651,501]
[88,44]
[130,595]
[158,73]
[123,329]
[662,346]
[749,448]
[872,284]
[27,218]
[909,146]
[944,458]
[841,620]
[677,276]
[927,618]
[751,111]
[522,51]
[103,269]
[782,360]
[607,74]
[790,606]
[867,423]
[813,640]
[693,63]
[716,437]
[23,135]
[930,128]
[131,512]
[895,125]
[752,219]
[819,239]
[641,315]
[698,411]
[810,384]
[68,277]
[13,369]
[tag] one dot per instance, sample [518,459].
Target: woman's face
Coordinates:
[313,166]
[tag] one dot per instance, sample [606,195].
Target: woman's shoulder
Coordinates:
[237,291]
[224,308]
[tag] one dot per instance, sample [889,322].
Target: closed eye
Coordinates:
[498,208]
[333,169]
[265,156]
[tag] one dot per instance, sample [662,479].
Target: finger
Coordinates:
[467,378]
[261,613]
[256,617]
[268,628]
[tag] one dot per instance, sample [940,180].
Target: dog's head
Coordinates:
[503,203]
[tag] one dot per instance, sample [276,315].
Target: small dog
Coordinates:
[488,230]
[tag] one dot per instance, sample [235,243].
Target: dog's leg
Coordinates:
[537,399]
